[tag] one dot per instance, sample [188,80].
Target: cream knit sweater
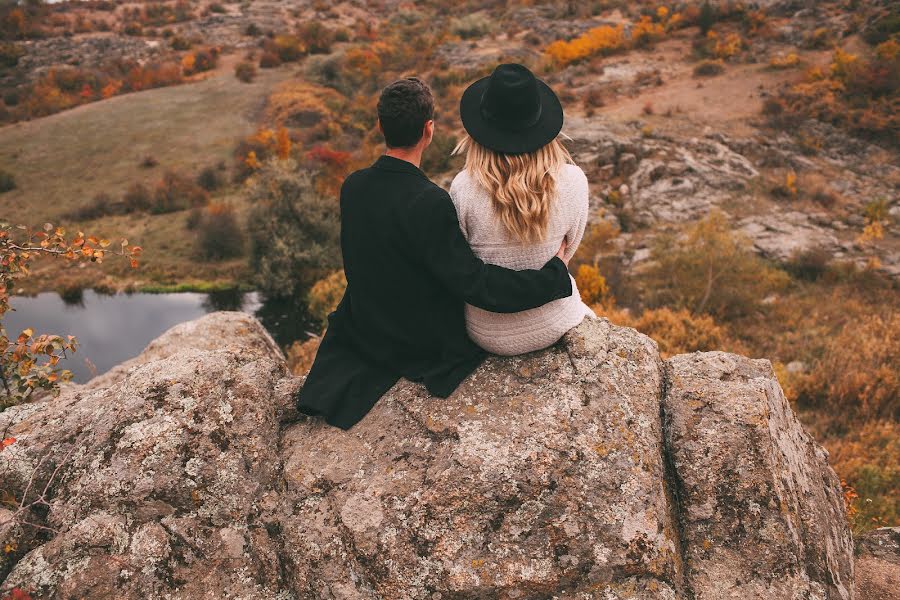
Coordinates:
[540,327]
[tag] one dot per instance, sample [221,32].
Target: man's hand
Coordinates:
[562,252]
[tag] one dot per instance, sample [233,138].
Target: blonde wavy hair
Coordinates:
[522,186]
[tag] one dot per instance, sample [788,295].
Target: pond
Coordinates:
[113,328]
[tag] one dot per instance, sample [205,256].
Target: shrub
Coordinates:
[294,232]
[180,43]
[437,157]
[314,37]
[599,40]
[810,264]
[325,296]
[269,60]
[678,331]
[300,355]
[592,286]
[215,7]
[475,25]
[10,54]
[245,71]
[288,47]
[137,198]
[219,235]
[100,205]
[859,373]
[252,30]
[210,178]
[707,18]
[176,192]
[709,68]
[710,269]
[200,60]
[7,181]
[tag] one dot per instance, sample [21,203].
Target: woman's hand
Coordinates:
[562,252]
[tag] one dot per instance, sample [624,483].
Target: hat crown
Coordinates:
[511,99]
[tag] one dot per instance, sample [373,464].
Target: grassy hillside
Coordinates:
[60,162]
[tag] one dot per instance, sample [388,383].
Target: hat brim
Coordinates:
[502,140]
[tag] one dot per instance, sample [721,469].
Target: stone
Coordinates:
[747,480]
[878,564]
[626,165]
[575,472]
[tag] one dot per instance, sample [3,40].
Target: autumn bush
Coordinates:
[176,192]
[679,331]
[325,295]
[709,269]
[858,374]
[254,150]
[211,178]
[200,60]
[219,235]
[245,71]
[314,37]
[101,205]
[472,26]
[29,362]
[10,54]
[859,94]
[269,60]
[294,231]
[709,68]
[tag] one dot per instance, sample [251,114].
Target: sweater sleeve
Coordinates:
[437,241]
[577,204]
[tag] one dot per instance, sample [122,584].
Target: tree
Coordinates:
[294,231]
[710,269]
[29,362]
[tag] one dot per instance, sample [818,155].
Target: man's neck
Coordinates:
[411,155]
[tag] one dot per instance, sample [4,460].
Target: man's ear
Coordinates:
[428,133]
[378,125]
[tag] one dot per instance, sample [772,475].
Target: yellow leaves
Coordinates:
[188,62]
[597,40]
[251,161]
[784,61]
[592,285]
[841,64]
[790,183]
[282,143]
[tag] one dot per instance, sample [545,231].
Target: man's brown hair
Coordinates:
[403,109]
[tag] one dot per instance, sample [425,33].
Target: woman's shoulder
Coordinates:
[572,173]
[573,183]
[463,187]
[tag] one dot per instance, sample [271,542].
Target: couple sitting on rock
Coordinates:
[435,281]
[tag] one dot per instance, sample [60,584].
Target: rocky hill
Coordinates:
[593,469]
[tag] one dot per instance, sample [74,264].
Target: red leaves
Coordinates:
[7,442]
[17,594]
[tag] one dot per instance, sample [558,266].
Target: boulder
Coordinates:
[878,564]
[592,469]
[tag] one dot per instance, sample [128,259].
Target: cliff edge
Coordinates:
[592,469]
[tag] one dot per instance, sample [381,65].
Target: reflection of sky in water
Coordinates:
[112,329]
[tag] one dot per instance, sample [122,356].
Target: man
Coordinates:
[409,272]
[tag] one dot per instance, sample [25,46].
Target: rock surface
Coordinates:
[589,470]
[878,564]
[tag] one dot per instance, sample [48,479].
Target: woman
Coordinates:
[518,196]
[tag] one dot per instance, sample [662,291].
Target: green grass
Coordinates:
[60,162]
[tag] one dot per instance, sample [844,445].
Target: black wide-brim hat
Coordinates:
[511,111]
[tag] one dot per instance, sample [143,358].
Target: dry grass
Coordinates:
[62,161]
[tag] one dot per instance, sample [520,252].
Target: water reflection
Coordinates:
[113,328]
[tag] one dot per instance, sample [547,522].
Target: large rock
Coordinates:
[588,470]
[878,564]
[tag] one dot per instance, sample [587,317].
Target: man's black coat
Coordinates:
[409,271]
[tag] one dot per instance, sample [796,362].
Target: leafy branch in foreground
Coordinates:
[29,362]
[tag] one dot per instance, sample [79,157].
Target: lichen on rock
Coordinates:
[591,469]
